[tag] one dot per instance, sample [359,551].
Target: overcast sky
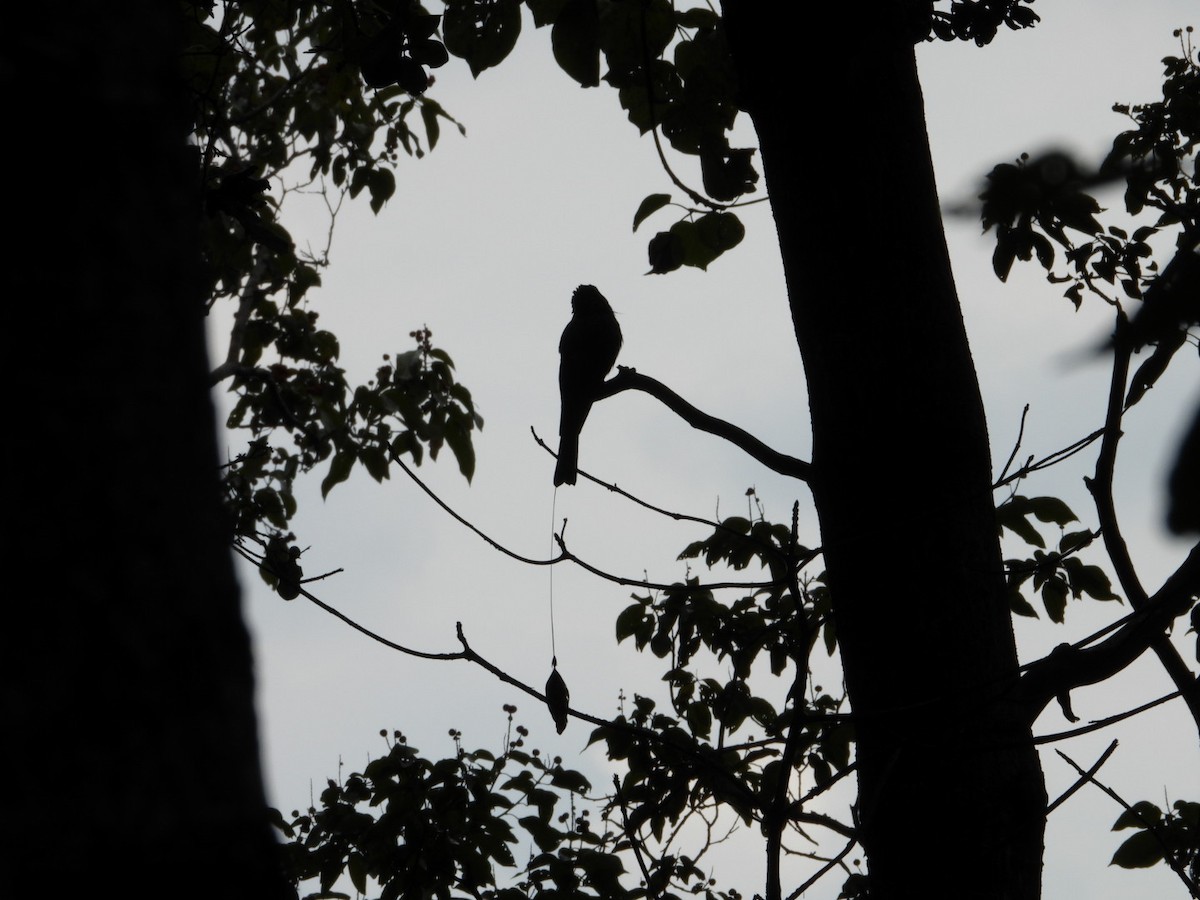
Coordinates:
[484,241]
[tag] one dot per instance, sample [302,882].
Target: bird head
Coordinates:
[587,300]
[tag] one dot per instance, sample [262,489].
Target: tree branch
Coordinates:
[825,868]
[1101,489]
[628,379]
[1084,778]
[1071,667]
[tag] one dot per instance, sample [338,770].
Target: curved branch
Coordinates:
[1070,667]
[1101,488]
[496,545]
[1105,722]
[657,585]
[628,379]
[566,555]
[794,565]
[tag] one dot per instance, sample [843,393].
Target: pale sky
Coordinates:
[484,241]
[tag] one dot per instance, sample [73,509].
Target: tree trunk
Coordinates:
[127,688]
[951,795]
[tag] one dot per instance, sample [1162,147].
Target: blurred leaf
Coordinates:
[339,471]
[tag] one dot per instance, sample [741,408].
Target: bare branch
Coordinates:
[821,871]
[1105,722]
[1083,778]
[1016,447]
[628,379]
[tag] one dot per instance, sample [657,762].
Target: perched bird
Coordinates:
[587,350]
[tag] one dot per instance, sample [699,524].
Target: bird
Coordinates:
[587,351]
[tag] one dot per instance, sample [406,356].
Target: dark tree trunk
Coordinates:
[950,793]
[127,689]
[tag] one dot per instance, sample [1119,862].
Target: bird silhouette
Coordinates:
[587,350]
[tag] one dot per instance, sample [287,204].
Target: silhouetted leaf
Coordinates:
[576,41]
[1139,815]
[650,205]
[339,471]
[1054,598]
[483,32]
[1140,851]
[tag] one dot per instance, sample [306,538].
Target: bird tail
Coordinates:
[568,460]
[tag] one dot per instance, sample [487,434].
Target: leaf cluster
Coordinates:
[976,20]
[422,828]
[1038,203]
[449,828]
[413,405]
[1054,574]
[1171,836]
[674,77]
[309,97]
[686,765]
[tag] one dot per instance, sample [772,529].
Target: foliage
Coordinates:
[450,828]
[1172,837]
[1056,574]
[1036,204]
[314,98]
[749,738]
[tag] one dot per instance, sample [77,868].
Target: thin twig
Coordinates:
[821,871]
[1083,779]
[1016,446]
[1104,723]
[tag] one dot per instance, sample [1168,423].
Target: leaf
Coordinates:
[357,867]
[339,471]
[575,39]
[1090,580]
[1074,540]
[697,18]
[829,635]
[630,620]
[1011,515]
[1044,250]
[1003,256]
[835,745]
[666,252]
[1051,509]
[1054,598]
[375,461]
[699,718]
[1138,852]
[570,780]
[1020,606]
[650,205]
[483,32]
[1139,815]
